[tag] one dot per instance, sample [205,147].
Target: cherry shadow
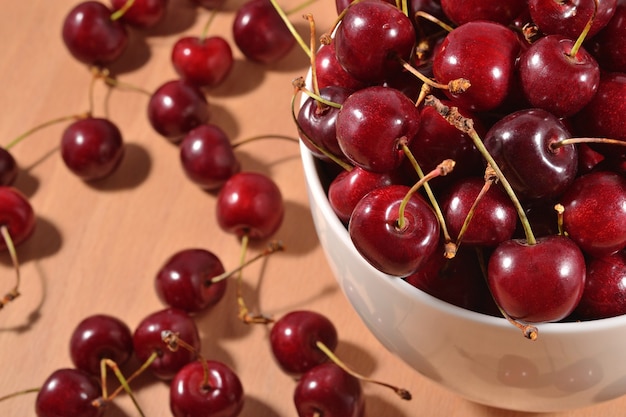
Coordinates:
[45,241]
[245,76]
[136,55]
[351,353]
[224,118]
[297,231]
[180,16]
[35,315]
[27,183]
[254,407]
[379,405]
[132,171]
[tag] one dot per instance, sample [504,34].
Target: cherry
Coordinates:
[16,214]
[250,204]
[207,157]
[330,73]
[92,148]
[372,39]
[493,10]
[568,18]
[294,339]
[609,45]
[92,36]
[595,212]
[484,53]
[175,108]
[8,167]
[147,341]
[142,14]
[184,281]
[605,288]
[328,391]
[372,124]
[97,337]
[524,144]
[69,392]
[386,244]
[540,282]
[206,387]
[260,33]
[202,61]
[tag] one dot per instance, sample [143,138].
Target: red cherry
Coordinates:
[568,18]
[251,204]
[194,393]
[92,148]
[17,214]
[69,393]
[142,14]
[503,12]
[91,36]
[204,62]
[605,288]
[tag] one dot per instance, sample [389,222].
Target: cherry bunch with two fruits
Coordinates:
[476,149]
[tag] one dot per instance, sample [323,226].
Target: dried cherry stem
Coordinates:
[272,247]
[528,330]
[466,125]
[450,247]
[456,86]
[490,178]
[134,375]
[574,141]
[174,342]
[119,13]
[401,392]
[15,292]
[299,85]
[560,209]
[433,19]
[105,74]
[313,43]
[291,28]
[124,383]
[581,38]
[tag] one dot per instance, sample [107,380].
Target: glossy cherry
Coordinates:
[69,392]
[184,280]
[97,337]
[207,156]
[202,61]
[250,204]
[147,339]
[293,340]
[17,214]
[330,72]
[260,33]
[328,391]
[176,107]
[568,18]
[92,148]
[217,393]
[8,167]
[91,36]
[142,14]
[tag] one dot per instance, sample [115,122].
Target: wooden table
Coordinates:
[97,248]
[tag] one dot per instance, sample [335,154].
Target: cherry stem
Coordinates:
[18,393]
[134,375]
[574,141]
[291,28]
[108,363]
[466,125]
[244,313]
[15,292]
[274,246]
[173,342]
[490,178]
[456,86]
[581,38]
[299,85]
[44,125]
[207,25]
[269,136]
[560,209]
[313,42]
[105,74]
[433,19]
[450,248]
[120,12]
[401,392]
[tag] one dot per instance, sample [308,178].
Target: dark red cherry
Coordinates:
[207,156]
[568,18]
[214,391]
[8,167]
[503,12]
[293,340]
[372,39]
[609,45]
[540,282]
[17,214]
[375,231]
[329,391]
[371,125]
[595,212]
[484,53]
[260,33]
[605,288]
[142,14]
[97,337]
[525,146]
[251,204]
[91,36]
[184,280]
[92,148]
[205,62]
[69,392]
[176,107]
[147,339]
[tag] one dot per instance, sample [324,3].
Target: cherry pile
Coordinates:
[525,100]
[108,356]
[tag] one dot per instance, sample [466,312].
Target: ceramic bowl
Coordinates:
[482,358]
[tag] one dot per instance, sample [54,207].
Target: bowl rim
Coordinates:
[320,198]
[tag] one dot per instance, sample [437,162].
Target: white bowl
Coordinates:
[484,359]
